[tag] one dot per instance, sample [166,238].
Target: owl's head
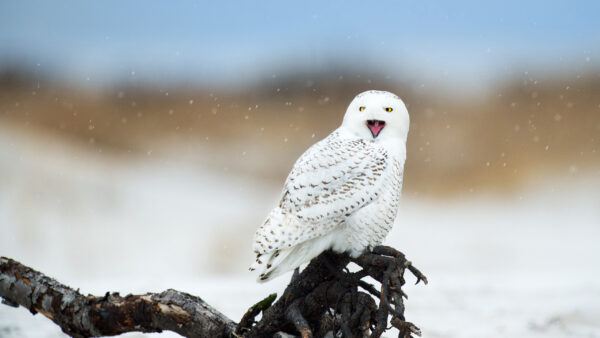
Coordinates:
[377,115]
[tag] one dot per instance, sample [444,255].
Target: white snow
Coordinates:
[523,265]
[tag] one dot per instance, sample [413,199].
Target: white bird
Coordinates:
[343,193]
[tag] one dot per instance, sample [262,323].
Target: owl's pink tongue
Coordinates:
[375,126]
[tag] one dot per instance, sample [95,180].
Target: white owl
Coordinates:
[343,192]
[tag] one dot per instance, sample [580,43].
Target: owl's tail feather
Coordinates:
[276,263]
[281,261]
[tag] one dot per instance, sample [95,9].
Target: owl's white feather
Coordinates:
[343,192]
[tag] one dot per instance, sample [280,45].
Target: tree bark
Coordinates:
[86,316]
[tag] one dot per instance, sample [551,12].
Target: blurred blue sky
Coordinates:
[223,41]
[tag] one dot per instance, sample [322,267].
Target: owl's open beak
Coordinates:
[375,126]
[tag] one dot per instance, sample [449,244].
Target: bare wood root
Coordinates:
[387,265]
[293,315]
[323,299]
[247,320]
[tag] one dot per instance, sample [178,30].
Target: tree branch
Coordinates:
[85,316]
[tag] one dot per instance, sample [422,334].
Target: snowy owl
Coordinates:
[343,192]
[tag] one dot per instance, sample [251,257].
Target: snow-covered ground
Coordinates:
[522,266]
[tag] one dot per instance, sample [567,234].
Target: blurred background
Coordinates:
[141,144]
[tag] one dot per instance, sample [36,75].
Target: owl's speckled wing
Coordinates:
[332,180]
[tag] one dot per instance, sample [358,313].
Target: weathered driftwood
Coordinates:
[84,316]
[324,299]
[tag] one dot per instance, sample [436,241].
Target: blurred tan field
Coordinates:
[525,130]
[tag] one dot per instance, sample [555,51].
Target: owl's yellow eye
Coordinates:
[361,108]
[388,109]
